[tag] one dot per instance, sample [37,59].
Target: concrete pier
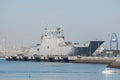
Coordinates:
[111,61]
[115,64]
[95,60]
[75,59]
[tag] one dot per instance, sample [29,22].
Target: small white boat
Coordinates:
[108,71]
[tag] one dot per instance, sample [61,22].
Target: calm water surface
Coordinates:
[12,70]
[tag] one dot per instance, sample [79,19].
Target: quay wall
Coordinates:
[95,60]
[113,62]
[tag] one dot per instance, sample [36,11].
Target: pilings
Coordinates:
[42,58]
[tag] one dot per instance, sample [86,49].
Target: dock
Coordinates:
[113,62]
[62,58]
[42,58]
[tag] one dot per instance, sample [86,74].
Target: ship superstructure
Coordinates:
[53,43]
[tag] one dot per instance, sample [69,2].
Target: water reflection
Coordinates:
[108,71]
[111,74]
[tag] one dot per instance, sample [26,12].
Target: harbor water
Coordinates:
[21,70]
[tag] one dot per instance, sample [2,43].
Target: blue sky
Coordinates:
[23,21]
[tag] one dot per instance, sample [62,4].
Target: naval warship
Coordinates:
[53,43]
